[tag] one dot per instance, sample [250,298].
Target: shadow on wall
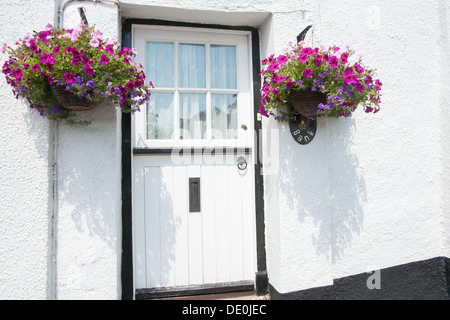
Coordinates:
[86,160]
[159,229]
[322,181]
[347,186]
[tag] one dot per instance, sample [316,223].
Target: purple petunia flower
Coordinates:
[91,84]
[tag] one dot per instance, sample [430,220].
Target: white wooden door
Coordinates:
[193,206]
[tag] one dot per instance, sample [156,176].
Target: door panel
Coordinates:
[175,247]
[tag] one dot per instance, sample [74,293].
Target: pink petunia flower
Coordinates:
[263,111]
[69,77]
[94,43]
[110,48]
[303,58]
[359,68]
[348,77]
[334,61]
[281,78]
[275,90]
[89,71]
[273,67]
[104,59]
[360,87]
[307,51]
[307,73]
[289,84]
[318,60]
[17,73]
[32,45]
[282,59]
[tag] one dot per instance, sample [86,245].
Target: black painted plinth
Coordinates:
[421,280]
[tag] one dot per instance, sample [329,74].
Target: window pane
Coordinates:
[192,66]
[223,67]
[160,116]
[224,116]
[160,64]
[192,115]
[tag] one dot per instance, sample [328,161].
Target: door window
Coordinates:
[202,91]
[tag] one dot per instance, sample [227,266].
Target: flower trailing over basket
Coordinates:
[317,82]
[61,70]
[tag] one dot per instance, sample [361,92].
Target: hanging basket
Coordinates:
[71,102]
[306,102]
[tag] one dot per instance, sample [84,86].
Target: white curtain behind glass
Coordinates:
[160,64]
[223,106]
[160,109]
[192,105]
[223,67]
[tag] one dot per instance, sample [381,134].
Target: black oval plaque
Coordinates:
[303,129]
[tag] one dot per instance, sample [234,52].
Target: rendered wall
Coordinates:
[366,193]
[25,185]
[88,216]
[369,192]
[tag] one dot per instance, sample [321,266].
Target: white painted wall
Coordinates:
[88,216]
[24,165]
[369,192]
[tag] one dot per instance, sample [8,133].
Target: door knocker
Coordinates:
[241,163]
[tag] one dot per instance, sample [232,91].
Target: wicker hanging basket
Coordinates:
[306,102]
[72,102]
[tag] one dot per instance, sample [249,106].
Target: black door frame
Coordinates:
[261,278]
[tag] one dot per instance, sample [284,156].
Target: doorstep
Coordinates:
[241,295]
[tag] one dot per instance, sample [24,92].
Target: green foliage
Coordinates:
[82,63]
[345,84]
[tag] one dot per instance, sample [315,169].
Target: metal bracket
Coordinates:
[82,11]
[302,34]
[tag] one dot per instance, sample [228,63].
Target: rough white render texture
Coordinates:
[443,35]
[367,193]
[88,233]
[24,166]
